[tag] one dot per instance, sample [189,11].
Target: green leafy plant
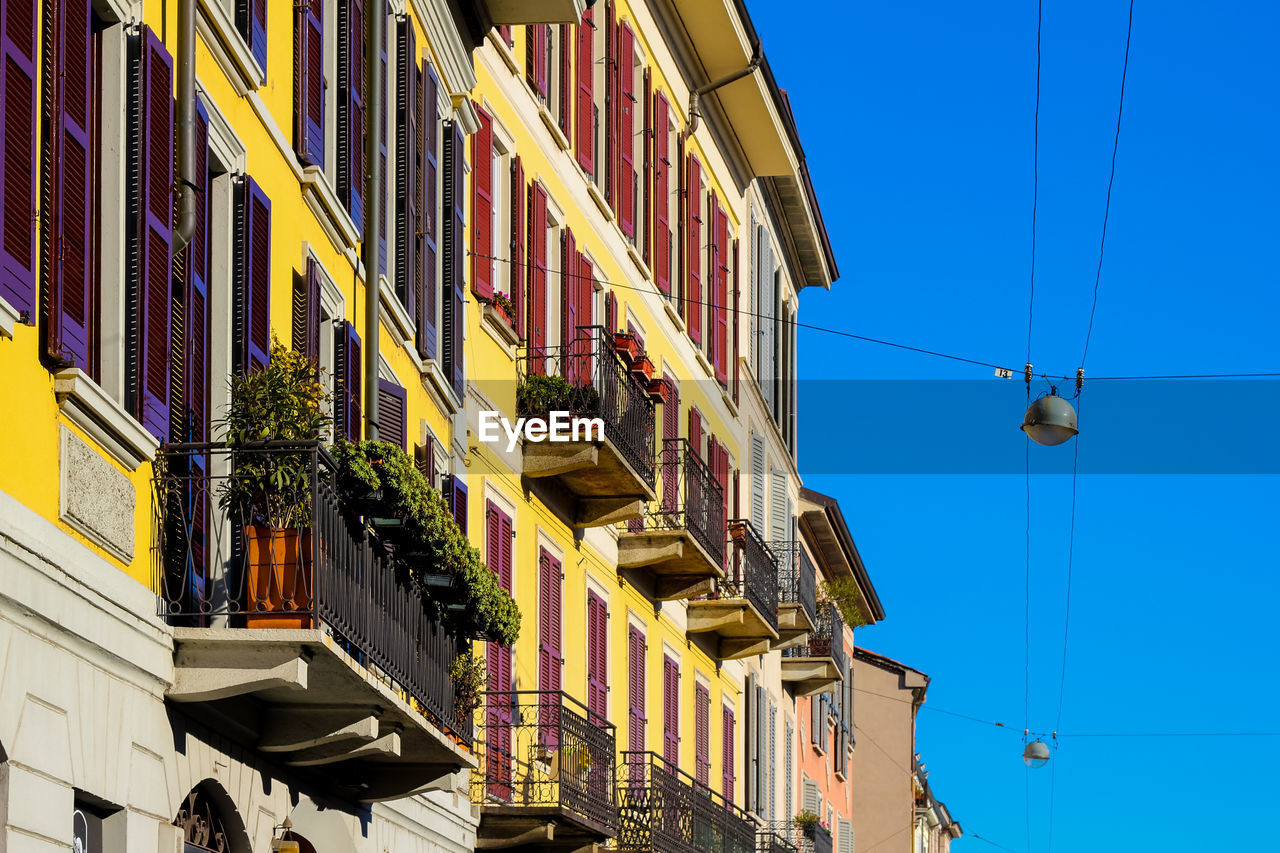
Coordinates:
[806,820]
[283,401]
[381,478]
[846,597]
[538,394]
[469,675]
[504,302]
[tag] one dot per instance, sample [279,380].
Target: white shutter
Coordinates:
[750,759]
[753,261]
[812,797]
[844,840]
[771,800]
[757,483]
[768,311]
[787,780]
[762,735]
[779,506]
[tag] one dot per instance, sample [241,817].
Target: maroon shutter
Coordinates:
[662,194]
[736,277]
[610,312]
[408,192]
[550,651]
[429,131]
[645,183]
[538,273]
[670,710]
[519,269]
[671,461]
[155,257]
[382,153]
[597,657]
[482,207]
[635,690]
[251,22]
[393,424]
[251,330]
[348,410]
[693,250]
[726,750]
[585,136]
[196,323]
[720,295]
[570,291]
[566,80]
[455,492]
[536,64]
[350,107]
[611,104]
[18,161]
[695,432]
[306,312]
[626,203]
[68,150]
[498,723]
[702,733]
[308,103]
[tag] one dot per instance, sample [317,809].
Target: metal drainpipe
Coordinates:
[374,22]
[185,177]
[757,55]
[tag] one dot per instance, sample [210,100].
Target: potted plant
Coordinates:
[844,594]
[738,529]
[269,491]
[469,675]
[807,821]
[659,390]
[642,368]
[626,345]
[505,307]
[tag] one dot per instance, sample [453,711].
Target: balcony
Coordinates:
[664,810]
[545,775]
[797,594]
[535,11]
[778,837]
[741,613]
[816,666]
[305,643]
[594,479]
[680,540]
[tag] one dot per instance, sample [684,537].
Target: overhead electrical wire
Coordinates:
[908,347]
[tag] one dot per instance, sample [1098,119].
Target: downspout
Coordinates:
[185,130]
[757,55]
[373,24]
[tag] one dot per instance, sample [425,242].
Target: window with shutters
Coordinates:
[670,709]
[727,758]
[251,24]
[597,656]
[637,715]
[665,201]
[350,96]
[787,778]
[19,111]
[702,733]
[603,83]
[392,413]
[550,640]
[694,250]
[309,81]
[584,109]
[454,249]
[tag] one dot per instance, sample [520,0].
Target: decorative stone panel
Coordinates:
[95,498]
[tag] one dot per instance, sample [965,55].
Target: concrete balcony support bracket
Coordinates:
[650,547]
[598,512]
[290,728]
[547,459]
[204,675]
[709,618]
[387,746]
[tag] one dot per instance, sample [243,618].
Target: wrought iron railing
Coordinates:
[542,749]
[797,578]
[256,536]
[665,810]
[597,384]
[778,837]
[690,499]
[753,572]
[827,640]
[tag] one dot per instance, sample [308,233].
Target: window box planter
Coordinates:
[642,368]
[738,529]
[280,577]
[659,390]
[626,346]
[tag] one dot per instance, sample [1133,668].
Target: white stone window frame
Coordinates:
[504,153]
[556,224]
[216,24]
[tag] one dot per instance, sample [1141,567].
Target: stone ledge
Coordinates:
[9,317]
[228,47]
[89,407]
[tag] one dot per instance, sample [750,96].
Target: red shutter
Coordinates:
[154,269]
[670,710]
[393,424]
[498,722]
[348,410]
[536,63]
[566,80]
[671,461]
[251,21]
[550,648]
[693,250]
[18,122]
[610,312]
[428,134]
[635,690]
[68,151]
[585,136]
[626,199]
[720,296]
[350,106]
[538,273]
[645,183]
[308,103]
[482,207]
[695,432]
[251,332]
[662,194]
[570,292]
[597,657]
[519,226]
[408,193]
[726,750]
[737,290]
[702,733]
[306,312]
[611,104]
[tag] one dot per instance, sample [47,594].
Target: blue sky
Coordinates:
[917,120]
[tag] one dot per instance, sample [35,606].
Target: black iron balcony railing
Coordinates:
[826,641]
[797,578]
[256,537]
[597,384]
[690,499]
[753,572]
[664,810]
[774,839]
[544,749]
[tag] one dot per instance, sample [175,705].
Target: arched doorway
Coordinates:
[209,822]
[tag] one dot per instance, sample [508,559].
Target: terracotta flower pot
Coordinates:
[642,367]
[738,529]
[280,577]
[626,345]
[659,390]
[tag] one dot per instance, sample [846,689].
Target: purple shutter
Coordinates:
[309,82]
[482,207]
[457,495]
[726,750]
[636,718]
[18,162]
[154,270]
[382,154]
[429,132]
[455,180]
[347,407]
[251,21]
[597,657]
[519,229]
[251,297]
[671,710]
[408,282]
[393,425]
[702,733]
[569,291]
[196,301]
[69,152]
[349,159]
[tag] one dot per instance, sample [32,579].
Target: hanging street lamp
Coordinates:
[1036,754]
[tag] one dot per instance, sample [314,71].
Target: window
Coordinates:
[670,710]
[702,733]
[636,717]
[18,173]
[694,308]
[309,82]
[597,656]
[550,652]
[727,753]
